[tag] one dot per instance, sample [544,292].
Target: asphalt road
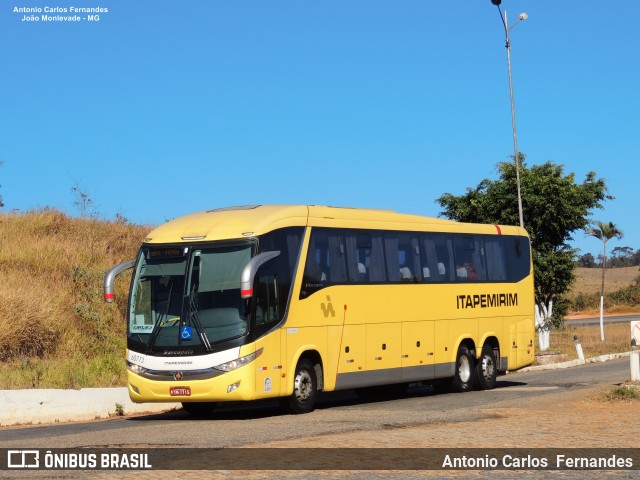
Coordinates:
[247,424]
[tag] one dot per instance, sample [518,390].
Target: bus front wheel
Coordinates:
[464,376]
[305,389]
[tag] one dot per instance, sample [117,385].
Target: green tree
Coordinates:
[586,261]
[603,232]
[621,257]
[554,207]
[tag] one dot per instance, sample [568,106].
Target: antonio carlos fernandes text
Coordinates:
[561,462]
[70,9]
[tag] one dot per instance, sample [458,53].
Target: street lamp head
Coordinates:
[522,16]
[496,2]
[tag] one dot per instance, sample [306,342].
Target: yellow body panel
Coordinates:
[269,366]
[353,354]
[418,343]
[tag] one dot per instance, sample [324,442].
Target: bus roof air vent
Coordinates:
[229,209]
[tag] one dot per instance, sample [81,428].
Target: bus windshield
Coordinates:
[188,296]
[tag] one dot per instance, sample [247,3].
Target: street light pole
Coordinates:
[507,29]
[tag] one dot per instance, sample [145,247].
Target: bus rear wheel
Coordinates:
[464,376]
[305,389]
[486,369]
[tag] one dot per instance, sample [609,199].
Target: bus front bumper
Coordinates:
[231,386]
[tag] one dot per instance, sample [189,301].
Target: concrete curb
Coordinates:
[34,406]
[575,363]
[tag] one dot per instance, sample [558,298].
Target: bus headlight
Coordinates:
[238,362]
[135,368]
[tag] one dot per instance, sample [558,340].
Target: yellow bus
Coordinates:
[274,301]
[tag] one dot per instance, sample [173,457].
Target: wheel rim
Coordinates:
[464,368]
[488,367]
[304,386]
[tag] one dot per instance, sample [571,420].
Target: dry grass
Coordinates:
[588,280]
[617,339]
[58,331]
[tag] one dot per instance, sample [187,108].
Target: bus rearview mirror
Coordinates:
[249,272]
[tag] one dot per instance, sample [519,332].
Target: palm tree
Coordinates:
[604,232]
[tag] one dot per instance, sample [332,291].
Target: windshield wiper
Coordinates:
[195,320]
[159,323]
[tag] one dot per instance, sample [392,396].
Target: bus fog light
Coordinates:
[135,389]
[233,387]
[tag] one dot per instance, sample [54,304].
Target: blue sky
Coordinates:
[163,108]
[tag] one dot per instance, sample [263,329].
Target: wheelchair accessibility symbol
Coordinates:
[185,333]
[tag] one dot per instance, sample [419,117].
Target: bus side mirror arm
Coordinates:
[249,272]
[110,277]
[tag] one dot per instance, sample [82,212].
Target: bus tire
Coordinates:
[464,376]
[198,409]
[305,389]
[486,369]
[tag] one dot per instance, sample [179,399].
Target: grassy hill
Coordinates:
[57,330]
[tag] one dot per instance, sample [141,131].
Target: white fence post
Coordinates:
[634,357]
[634,362]
[579,351]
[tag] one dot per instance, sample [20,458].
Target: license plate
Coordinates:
[180,391]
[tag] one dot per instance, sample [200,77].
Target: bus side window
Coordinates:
[496,266]
[518,257]
[276,276]
[358,245]
[408,252]
[430,267]
[337,258]
[479,260]
[266,298]
[376,262]
[392,256]
[414,260]
[439,258]
[468,258]
[313,271]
